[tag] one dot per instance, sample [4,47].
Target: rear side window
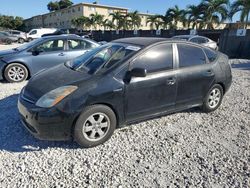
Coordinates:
[156,59]
[199,40]
[16,33]
[79,44]
[190,55]
[211,55]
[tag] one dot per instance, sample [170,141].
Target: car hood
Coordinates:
[6,53]
[51,79]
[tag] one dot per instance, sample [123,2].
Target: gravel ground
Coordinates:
[190,149]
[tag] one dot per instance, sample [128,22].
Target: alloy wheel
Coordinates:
[214,98]
[16,73]
[96,127]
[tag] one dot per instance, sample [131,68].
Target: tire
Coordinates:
[8,41]
[21,40]
[16,72]
[90,132]
[213,98]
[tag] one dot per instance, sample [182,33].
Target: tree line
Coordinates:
[206,15]
[11,22]
[58,5]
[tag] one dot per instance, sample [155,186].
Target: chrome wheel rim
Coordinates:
[16,73]
[214,98]
[96,126]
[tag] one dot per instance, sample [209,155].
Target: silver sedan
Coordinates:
[199,40]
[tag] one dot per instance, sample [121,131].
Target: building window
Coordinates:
[69,11]
[79,8]
[110,11]
[91,8]
[73,10]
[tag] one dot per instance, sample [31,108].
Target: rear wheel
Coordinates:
[15,72]
[213,99]
[8,41]
[21,40]
[95,126]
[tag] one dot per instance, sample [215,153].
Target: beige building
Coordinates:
[62,18]
[144,18]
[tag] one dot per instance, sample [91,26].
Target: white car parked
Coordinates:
[37,33]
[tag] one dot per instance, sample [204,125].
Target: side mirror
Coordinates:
[138,72]
[36,52]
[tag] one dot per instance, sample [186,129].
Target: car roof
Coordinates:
[188,36]
[62,36]
[68,36]
[141,41]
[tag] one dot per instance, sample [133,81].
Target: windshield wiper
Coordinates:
[15,49]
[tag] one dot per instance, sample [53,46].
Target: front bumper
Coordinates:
[45,124]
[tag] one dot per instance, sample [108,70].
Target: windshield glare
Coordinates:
[104,56]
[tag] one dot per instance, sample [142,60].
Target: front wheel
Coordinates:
[15,72]
[95,126]
[213,99]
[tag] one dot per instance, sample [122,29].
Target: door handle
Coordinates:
[171,81]
[61,54]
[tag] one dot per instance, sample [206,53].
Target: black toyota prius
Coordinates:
[125,81]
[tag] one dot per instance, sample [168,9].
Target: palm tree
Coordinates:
[154,21]
[81,22]
[216,11]
[242,6]
[108,24]
[118,19]
[195,16]
[134,19]
[176,15]
[96,20]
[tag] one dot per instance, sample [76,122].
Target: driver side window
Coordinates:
[156,59]
[51,46]
[33,32]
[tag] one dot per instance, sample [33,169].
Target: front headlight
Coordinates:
[55,96]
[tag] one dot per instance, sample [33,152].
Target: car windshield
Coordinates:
[29,44]
[102,57]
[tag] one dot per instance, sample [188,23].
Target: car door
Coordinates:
[48,54]
[194,75]
[77,47]
[156,92]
